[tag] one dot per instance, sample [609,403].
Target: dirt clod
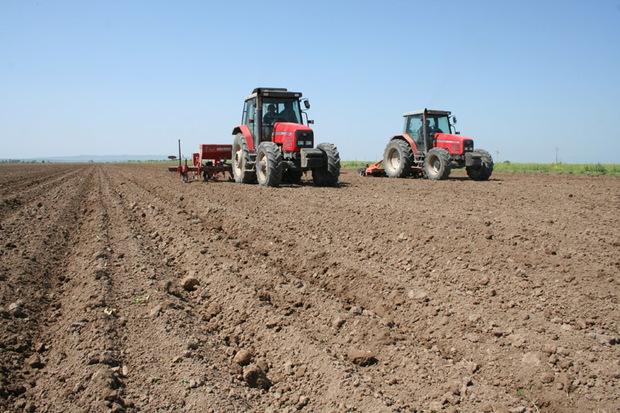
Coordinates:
[361,357]
[254,376]
[35,362]
[243,357]
[190,283]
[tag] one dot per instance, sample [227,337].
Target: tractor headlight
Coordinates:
[304,138]
[468,145]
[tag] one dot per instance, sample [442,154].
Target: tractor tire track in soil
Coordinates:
[124,289]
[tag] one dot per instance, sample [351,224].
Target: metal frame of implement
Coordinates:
[210,162]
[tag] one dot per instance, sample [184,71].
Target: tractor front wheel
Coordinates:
[437,164]
[269,164]
[241,155]
[397,159]
[328,174]
[484,171]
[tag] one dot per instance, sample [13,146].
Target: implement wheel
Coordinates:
[397,159]
[269,164]
[437,164]
[241,155]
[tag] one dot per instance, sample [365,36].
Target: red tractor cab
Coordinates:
[430,146]
[274,143]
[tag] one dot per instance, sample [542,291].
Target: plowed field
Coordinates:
[123,289]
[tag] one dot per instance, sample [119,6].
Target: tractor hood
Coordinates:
[455,144]
[293,136]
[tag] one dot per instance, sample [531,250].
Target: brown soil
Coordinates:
[123,289]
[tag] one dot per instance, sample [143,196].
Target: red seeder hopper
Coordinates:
[210,162]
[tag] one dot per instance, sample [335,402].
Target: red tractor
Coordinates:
[273,145]
[430,146]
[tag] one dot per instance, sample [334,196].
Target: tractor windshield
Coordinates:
[280,110]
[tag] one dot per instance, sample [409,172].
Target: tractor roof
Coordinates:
[273,92]
[428,112]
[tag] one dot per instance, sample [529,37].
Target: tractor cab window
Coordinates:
[414,129]
[434,124]
[441,125]
[249,115]
[432,127]
[280,110]
[249,109]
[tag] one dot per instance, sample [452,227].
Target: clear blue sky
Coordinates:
[95,77]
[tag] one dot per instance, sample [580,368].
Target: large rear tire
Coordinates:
[241,155]
[328,174]
[269,164]
[437,164]
[484,171]
[397,159]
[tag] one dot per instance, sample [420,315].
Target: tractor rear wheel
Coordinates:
[269,164]
[437,164]
[328,174]
[241,155]
[397,159]
[484,171]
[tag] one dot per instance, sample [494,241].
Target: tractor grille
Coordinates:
[304,138]
[468,145]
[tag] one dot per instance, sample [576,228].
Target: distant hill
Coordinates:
[96,158]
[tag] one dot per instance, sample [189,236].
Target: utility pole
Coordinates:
[497,156]
[556,154]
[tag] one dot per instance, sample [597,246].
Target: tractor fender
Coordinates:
[246,133]
[407,138]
